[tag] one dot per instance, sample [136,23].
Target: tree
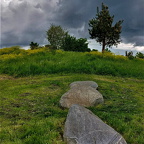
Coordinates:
[129,55]
[70,43]
[107,50]
[103,30]
[139,55]
[56,35]
[34,45]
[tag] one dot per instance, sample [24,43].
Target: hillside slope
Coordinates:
[30,111]
[18,62]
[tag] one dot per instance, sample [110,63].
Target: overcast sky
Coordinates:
[23,21]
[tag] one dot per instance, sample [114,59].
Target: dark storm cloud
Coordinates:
[24,21]
[131,12]
[74,14]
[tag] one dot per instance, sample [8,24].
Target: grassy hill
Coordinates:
[32,82]
[17,62]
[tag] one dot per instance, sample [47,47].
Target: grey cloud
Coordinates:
[131,11]
[75,15]
[24,21]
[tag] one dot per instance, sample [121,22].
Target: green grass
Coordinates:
[30,111]
[33,81]
[34,62]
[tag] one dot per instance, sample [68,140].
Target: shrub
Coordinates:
[34,45]
[11,50]
[139,55]
[130,55]
[70,43]
[107,50]
[94,50]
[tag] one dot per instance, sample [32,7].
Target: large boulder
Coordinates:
[83,127]
[82,95]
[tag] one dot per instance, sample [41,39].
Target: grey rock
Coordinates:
[84,83]
[83,127]
[82,95]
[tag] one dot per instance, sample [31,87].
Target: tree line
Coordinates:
[101,28]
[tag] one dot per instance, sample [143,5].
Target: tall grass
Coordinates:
[42,61]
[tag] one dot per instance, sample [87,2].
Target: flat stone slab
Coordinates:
[82,95]
[84,83]
[83,127]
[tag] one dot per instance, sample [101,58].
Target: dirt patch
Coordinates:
[6,77]
[25,94]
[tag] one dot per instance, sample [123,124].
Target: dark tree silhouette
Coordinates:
[34,45]
[103,30]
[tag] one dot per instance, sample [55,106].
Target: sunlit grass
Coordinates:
[18,62]
[36,79]
[30,111]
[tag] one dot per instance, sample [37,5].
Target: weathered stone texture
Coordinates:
[82,93]
[84,83]
[83,127]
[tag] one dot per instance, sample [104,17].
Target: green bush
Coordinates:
[34,45]
[139,55]
[70,43]
[12,50]
[130,55]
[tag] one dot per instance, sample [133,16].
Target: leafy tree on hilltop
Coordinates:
[56,35]
[103,30]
